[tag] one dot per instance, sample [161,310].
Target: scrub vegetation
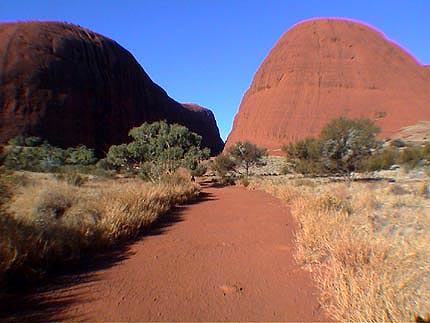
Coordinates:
[361,207]
[59,204]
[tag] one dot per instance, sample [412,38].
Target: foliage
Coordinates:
[341,147]
[246,154]
[240,155]
[411,156]
[381,159]
[103,164]
[35,154]
[200,170]
[408,156]
[305,156]
[157,149]
[345,142]
[81,155]
[223,165]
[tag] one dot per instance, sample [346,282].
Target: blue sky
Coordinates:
[207,51]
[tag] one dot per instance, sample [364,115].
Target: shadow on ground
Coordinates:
[207,183]
[35,303]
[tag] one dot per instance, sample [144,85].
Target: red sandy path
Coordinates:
[229,259]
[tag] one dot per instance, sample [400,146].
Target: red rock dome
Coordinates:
[72,86]
[324,68]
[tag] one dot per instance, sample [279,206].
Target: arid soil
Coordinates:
[227,257]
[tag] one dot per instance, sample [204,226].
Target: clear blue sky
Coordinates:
[207,51]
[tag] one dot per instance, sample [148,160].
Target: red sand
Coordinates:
[229,258]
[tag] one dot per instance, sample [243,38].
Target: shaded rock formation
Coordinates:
[325,68]
[72,86]
[204,123]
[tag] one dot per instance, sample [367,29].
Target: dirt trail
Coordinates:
[228,258]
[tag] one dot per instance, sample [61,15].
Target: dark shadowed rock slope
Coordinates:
[325,68]
[73,86]
[204,123]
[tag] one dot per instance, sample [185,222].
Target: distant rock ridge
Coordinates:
[324,68]
[73,86]
[204,123]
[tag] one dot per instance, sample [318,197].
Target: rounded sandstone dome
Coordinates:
[324,68]
[73,86]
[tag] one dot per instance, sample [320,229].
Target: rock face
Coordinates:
[204,123]
[325,68]
[72,86]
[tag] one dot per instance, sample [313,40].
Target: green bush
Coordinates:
[34,154]
[81,155]
[346,142]
[158,149]
[223,166]
[379,160]
[342,146]
[304,157]
[242,155]
[200,170]
[246,154]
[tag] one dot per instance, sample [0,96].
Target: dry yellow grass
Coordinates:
[367,245]
[49,221]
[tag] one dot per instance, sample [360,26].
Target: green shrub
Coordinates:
[157,149]
[342,146]
[200,170]
[379,160]
[34,154]
[103,164]
[346,142]
[246,154]
[81,155]
[223,166]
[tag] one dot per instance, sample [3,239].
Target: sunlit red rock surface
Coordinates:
[73,86]
[324,68]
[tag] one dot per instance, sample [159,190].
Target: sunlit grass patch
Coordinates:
[49,221]
[366,244]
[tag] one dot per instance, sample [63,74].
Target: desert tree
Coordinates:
[223,166]
[346,142]
[341,148]
[246,154]
[159,148]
